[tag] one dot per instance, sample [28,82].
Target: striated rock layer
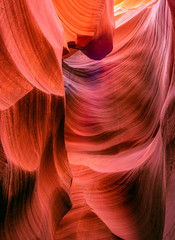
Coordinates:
[87,119]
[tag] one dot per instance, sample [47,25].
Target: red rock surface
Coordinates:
[87,119]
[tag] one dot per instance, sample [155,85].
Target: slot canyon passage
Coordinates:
[87,119]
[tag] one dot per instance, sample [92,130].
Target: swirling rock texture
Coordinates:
[87,119]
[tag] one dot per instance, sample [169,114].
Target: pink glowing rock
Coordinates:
[87,119]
